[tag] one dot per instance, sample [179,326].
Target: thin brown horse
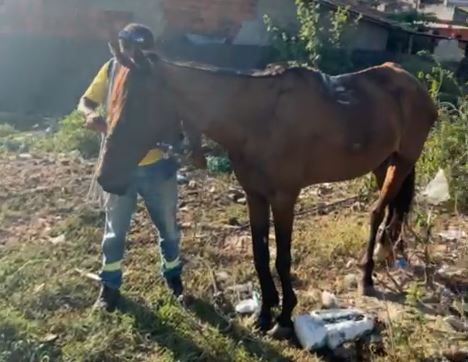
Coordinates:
[283,130]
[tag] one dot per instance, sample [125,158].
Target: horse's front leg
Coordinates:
[283,214]
[259,214]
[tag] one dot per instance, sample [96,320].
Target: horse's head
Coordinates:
[139,116]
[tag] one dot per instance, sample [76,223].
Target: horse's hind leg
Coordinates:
[391,238]
[396,173]
[384,246]
[401,206]
[259,214]
[283,214]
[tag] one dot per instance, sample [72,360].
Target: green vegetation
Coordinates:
[447,148]
[46,304]
[71,136]
[48,238]
[323,47]
[319,42]
[220,164]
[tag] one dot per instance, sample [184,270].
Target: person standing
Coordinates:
[155,180]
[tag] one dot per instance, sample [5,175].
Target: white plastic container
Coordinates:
[343,325]
[310,332]
[337,315]
[339,333]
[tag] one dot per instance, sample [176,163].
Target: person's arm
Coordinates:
[93,97]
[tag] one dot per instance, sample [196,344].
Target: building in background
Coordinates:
[57,45]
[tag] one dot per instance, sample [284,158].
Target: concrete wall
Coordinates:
[50,49]
[45,75]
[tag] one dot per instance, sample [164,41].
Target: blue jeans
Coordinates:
[157,185]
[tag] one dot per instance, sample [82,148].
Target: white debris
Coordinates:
[437,191]
[222,276]
[339,333]
[24,156]
[331,327]
[58,239]
[329,300]
[310,332]
[452,234]
[382,252]
[249,306]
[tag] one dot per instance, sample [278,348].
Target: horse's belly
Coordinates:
[340,166]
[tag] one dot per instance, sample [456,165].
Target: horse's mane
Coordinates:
[270,71]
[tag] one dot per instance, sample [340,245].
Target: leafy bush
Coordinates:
[319,42]
[219,164]
[71,135]
[11,140]
[447,145]
[447,148]
[441,83]
[6,130]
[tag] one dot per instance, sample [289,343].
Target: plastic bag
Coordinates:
[437,191]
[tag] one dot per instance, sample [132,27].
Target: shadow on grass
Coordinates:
[154,329]
[16,345]
[253,344]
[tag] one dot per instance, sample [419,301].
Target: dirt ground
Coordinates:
[50,238]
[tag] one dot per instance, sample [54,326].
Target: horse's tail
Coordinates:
[405,196]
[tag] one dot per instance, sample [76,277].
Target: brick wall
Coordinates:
[221,18]
[59,18]
[58,45]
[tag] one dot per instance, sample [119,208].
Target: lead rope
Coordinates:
[96,195]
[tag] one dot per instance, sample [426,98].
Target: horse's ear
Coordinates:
[119,56]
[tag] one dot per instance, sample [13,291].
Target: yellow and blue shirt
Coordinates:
[97,92]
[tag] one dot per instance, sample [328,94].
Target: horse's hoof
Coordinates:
[280,333]
[263,323]
[366,290]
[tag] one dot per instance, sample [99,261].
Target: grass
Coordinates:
[46,304]
[70,136]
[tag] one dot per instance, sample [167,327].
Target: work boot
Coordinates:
[108,299]
[177,288]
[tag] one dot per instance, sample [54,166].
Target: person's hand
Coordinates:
[96,122]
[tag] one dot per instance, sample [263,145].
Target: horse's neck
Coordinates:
[207,101]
